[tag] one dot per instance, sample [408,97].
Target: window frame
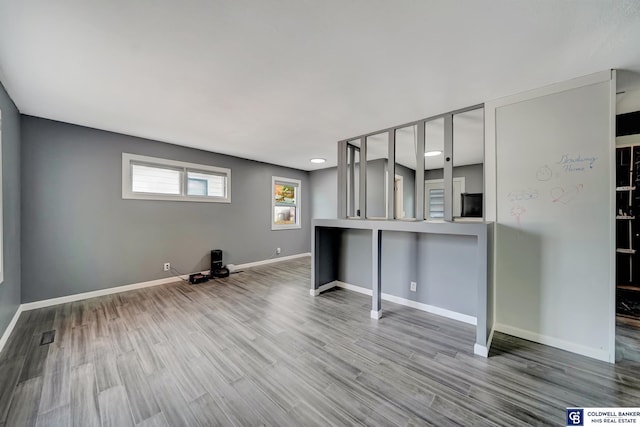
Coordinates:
[298,204]
[184,168]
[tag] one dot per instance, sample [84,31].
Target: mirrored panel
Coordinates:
[377,163]
[434,198]
[468,163]
[405,172]
[353,179]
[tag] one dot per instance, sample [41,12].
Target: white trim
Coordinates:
[101,292]
[376,314]
[298,204]
[612,224]
[322,288]
[125,288]
[354,288]
[554,342]
[482,350]
[413,304]
[472,320]
[127,193]
[271,260]
[10,327]
[628,140]
[578,82]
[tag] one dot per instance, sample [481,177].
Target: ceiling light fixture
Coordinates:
[432,153]
[318,160]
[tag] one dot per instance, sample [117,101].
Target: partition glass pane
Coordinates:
[405,172]
[434,198]
[353,179]
[468,163]
[377,163]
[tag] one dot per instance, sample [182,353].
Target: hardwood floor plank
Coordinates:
[114,408]
[36,357]
[105,363]
[58,417]
[24,405]
[208,412]
[9,374]
[187,381]
[84,397]
[172,404]
[157,420]
[141,397]
[56,389]
[148,356]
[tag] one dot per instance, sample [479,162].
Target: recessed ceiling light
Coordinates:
[432,153]
[318,160]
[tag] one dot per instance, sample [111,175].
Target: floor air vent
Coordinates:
[47,337]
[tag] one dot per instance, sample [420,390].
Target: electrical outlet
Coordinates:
[413,287]
[278,250]
[167,266]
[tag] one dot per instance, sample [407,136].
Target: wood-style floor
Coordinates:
[256,349]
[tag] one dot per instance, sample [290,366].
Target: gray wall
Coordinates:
[10,288]
[323,186]
[444,267]
[473,176]
[79,234]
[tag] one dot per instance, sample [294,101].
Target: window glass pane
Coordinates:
[157,180]
[284,215]
[285,194]
[197,187]
[468,159]
[205,184]
[405,171]
[434,168]
[353,178]
[377,165]
[436,203]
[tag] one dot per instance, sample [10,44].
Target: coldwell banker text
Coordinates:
[602,416]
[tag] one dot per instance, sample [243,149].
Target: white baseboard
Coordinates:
[101,292]
[10,326]
[413,304]
[354,288]
[117,289]
[553,342]
[322,288]
[271,260]
[482,350]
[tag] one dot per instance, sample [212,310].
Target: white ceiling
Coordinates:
[282,81]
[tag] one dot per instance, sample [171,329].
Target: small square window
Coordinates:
[285,208]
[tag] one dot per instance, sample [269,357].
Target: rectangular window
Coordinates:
[152,178]
[285,207]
